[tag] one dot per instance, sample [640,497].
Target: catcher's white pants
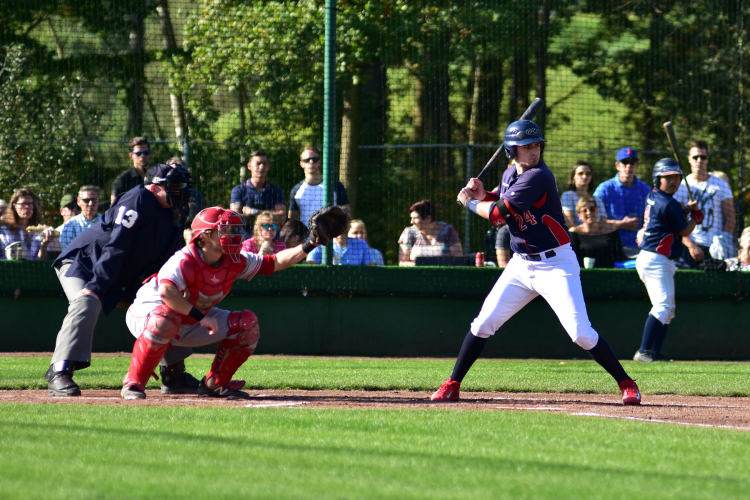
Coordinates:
[188,335]
[557,280]
[657,273]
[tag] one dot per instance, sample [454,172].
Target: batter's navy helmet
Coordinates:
[666,166]
[520,133]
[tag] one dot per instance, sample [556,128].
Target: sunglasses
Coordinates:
[312,159]
[90,200]
[699,157]
[269,226]
[583,174]
[629,161]
[147,152]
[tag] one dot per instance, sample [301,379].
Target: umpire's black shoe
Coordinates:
[61,383]
[221,392]
[175,380]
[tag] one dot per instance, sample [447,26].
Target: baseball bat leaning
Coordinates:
[529,114]
[669,129]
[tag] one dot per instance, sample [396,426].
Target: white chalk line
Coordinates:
[603,401]
[661,421]
[272,405]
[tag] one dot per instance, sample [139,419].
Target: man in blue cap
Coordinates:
[624,197]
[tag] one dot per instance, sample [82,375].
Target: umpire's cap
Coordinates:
[176,181]
[521,133]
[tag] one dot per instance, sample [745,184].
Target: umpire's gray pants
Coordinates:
[75,338]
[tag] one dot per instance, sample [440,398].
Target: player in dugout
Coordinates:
[177,306]
[104,265]
[543,262]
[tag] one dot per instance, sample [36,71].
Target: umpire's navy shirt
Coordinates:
[135,237]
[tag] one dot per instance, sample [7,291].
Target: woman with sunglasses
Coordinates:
[580,182]
[595,238]
[264,240]
[23,211]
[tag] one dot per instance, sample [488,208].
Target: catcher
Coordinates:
[176,306]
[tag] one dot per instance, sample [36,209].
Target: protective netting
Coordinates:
[424,92]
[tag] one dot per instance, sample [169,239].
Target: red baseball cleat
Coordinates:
[630,393]
[448,391]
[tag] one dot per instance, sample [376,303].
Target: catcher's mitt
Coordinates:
[327,223]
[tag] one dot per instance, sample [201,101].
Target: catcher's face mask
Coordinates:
[230,234]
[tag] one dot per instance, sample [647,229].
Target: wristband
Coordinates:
[472,205]
[308,246]
[196,314]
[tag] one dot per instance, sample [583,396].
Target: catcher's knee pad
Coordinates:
[162,325]
[234,350]
[243,329]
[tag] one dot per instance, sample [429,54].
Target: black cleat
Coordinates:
[175,380]
[221,392]
[132,392]
[61,383]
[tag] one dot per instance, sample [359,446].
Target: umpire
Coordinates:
[104,265]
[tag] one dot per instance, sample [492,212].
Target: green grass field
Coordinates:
[81,451]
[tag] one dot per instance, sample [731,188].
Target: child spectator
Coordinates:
[264,240]
[357,229]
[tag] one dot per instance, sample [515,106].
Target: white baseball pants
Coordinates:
[657,273]
[557,280]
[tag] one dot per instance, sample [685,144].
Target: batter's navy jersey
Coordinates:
[663,219]
[135,237]
[538,223]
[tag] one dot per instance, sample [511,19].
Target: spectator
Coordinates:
[187,235]
[264,240]
[256,194]
[713,237]
[88,200]
[594,237]
[307,196]
[346,252]
[427,237]
[624,198]
[742,261]
[196,197]
[357,229]
[294,233]
[581,182]
[24,210]
[140,154]
[68,209]
[502,246]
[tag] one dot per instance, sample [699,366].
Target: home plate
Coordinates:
[270,405]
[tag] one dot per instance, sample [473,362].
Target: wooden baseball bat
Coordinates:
[669,129]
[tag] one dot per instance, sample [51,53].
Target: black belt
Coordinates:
[537,256]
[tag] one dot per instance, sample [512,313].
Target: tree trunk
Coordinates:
[170,45]
[351,124]
[520,85]
[418,123]
[436,105]
[490,97]
[60,55]
[540,81]
[137,80]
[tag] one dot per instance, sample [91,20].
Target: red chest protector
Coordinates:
[207,285]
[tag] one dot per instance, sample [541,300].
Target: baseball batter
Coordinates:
[543,262]
[176,307]
[664,226]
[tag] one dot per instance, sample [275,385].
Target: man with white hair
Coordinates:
[88,200]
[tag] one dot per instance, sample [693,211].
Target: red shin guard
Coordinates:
[162,326]
[234,351]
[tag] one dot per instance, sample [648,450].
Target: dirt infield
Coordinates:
[726,413]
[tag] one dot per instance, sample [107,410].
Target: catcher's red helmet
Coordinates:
[229,224]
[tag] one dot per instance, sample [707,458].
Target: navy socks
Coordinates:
[603,355]
[653,335]
[470,351]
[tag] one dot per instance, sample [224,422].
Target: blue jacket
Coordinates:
[135,238]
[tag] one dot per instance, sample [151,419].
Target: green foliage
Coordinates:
[39,143]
